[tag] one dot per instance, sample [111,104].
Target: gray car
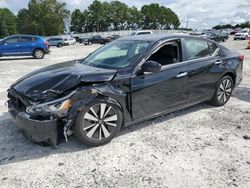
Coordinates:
[56,41]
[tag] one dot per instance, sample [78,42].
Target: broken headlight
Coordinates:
[58,106]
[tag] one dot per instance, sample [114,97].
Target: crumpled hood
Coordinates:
[59,78]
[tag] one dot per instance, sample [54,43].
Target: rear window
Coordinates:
[196,48]
[55,39]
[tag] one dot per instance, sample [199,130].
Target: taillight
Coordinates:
[242,58]
[46,43]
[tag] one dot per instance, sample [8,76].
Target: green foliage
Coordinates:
[229,26]
[103,16]
[3,27]
[43,17]
[7,22]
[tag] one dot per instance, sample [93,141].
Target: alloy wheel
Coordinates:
[100,121]
[38,54]
[225,90]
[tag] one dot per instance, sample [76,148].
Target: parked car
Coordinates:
[69,41]
[24,45]
[56,41]
[113,37]
[142,32]
[215,36]
[130,80]
[77,38]
[85,40]
[235,31]
[242,34]
[98,39]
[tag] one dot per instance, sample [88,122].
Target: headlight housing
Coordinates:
[58,107]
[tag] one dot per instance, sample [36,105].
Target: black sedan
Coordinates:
[96,39]
[127,81]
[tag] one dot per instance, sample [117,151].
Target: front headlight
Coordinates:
[58,106]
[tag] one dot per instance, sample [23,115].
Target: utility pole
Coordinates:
[187,22]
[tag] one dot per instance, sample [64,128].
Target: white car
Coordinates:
[242,34]
[69,41]
[142,32]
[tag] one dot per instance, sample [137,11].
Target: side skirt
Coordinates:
[164,112]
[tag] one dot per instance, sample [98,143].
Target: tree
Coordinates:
[7,22]
[3,27]
[134,18]
[77,20]
[43,17]
[95,11]
[115,15]
[157,17]
[119,15]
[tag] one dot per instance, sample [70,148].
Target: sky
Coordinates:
[201,14]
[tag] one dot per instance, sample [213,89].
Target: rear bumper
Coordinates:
[44,131]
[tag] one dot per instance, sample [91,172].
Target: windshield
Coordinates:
[243,31]
[117,54]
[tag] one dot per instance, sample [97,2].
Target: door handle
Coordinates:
[218,62]
[17,45]
[182,74]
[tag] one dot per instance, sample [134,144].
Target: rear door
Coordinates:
[202,68]
[27,44]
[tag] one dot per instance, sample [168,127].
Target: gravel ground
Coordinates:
[201,146]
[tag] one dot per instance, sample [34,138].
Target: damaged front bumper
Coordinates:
[44,127]
[38,131]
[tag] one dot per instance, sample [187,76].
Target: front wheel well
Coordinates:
[37,49]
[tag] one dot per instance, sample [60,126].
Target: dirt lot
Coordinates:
[201,146]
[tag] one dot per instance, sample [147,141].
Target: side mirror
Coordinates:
[151,66]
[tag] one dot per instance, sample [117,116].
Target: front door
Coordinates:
[154,93]
[9,46]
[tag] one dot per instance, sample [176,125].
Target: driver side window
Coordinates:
[167,54]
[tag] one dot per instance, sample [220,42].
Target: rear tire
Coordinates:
[38,54]
[59,45]
[223,91]
[98,123]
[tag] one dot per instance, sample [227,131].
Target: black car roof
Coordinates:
[157,37]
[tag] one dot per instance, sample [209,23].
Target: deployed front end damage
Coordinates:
[43,122]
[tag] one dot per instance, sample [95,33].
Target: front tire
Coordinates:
[98,123]
[38,54]
[223,91]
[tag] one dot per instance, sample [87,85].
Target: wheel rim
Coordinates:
[225,91]
[100,121]
[39,54]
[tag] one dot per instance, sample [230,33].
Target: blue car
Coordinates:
[24,45]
